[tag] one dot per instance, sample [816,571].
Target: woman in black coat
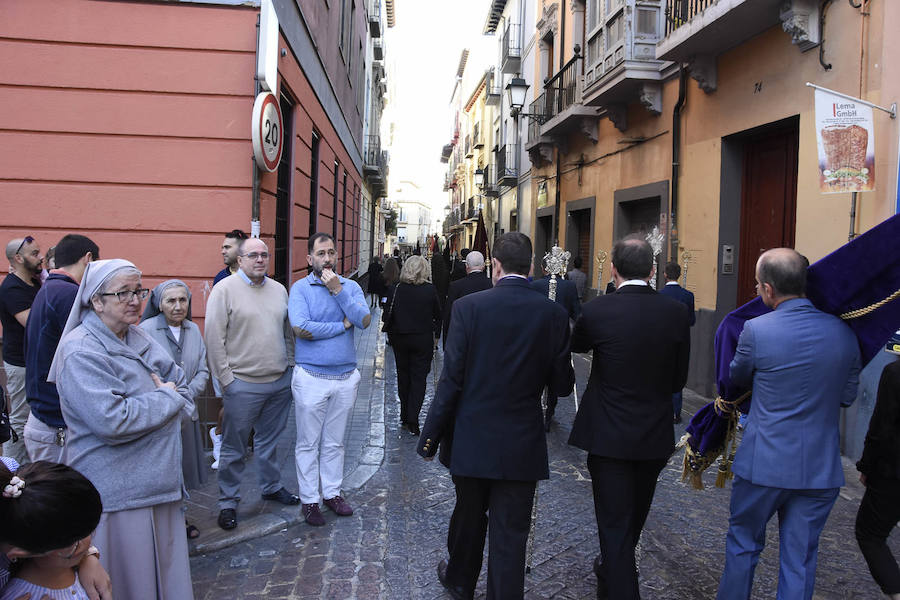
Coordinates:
[413,322]
[376,281]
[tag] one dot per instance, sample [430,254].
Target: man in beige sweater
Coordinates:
[250,346]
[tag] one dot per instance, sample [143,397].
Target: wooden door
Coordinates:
[768,202]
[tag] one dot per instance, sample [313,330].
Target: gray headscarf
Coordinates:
[95,275]
[153,307]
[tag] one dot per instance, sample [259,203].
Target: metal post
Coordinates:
[254,203]
[852,217]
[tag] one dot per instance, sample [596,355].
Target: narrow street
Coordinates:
[390,547]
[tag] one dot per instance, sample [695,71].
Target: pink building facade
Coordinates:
[129,122]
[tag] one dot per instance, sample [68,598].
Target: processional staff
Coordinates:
[655,238]
[601,258]
[555,263]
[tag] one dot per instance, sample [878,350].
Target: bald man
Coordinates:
[474,281]
[804,366]
[17,294]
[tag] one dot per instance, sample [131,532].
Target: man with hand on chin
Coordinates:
[323,308]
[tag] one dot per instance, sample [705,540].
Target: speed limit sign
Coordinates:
[267,131]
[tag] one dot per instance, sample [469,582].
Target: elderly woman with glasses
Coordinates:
[124,399]
[167,319]
[413,321]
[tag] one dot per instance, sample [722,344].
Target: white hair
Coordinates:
[475,259]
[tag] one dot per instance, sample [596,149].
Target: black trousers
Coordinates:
[509,505]
[623,492]
[412,353]
[878,514]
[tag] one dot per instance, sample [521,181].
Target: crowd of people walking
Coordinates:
[105,436]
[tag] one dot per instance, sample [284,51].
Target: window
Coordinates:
[343,36]
[593,14]
[334,212]
[350,35]
[615,32]
[314,183]
[595,48]
[646,22]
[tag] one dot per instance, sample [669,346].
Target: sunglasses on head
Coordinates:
[26,240]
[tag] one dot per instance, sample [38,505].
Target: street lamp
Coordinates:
[479,177]
[515,91]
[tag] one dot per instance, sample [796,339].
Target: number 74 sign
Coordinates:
[267,131]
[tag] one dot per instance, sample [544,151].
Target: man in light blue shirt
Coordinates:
[323,309]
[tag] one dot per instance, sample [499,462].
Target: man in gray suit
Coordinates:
[803,365]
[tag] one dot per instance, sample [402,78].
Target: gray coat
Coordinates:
[189,353]
[124,432]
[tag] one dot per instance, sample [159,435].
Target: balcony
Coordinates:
[697,31]
[511,49]
[620,65]
[493,88]
[477,142]
[491,185]
[539,147]
[446,151]
[468,145]
[507,167]
[378,49]
[375,18]
[375,165]
[565,111]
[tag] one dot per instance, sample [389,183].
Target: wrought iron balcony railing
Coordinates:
[562,89]
[679,12]
[507,169]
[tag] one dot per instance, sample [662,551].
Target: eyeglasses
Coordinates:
[65,553]
[26,240]
[129,295]
[257,255]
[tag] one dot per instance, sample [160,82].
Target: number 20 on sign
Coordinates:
[267,131]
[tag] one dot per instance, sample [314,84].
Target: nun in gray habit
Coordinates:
[124,399]
[167,320]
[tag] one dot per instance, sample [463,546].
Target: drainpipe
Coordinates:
[254,202]
[676,157]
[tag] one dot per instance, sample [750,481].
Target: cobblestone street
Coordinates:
[389,548]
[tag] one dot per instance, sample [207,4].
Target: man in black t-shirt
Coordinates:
[17,293]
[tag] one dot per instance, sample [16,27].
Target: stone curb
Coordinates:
[279,519]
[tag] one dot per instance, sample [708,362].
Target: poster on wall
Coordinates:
[845,136]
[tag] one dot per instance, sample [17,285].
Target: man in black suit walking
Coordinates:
[567,297]
[474,281]
[641,348]
[505,346]
[676,292]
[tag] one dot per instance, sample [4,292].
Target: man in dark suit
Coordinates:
[567,297]
[676,292]
[474,281]
[641,347]
[459,265]
[505,346]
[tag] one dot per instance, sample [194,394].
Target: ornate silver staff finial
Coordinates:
[655,238]
[555,263]
[686,257]
[601,258]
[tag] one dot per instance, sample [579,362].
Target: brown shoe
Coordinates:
[312,515]
[339,506]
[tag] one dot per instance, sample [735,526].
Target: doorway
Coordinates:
[282,254]
[580,233]
[638,211]
[768,202]
[543,237]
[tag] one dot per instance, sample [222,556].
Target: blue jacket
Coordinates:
[676,292]
[313,309]
[45,325]
[804,365]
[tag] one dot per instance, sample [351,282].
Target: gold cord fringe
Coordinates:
[695,463]
[861,312]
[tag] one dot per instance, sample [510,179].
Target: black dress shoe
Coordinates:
[227,518]
[457,592]
[283,496]
[414,428]
[677,419]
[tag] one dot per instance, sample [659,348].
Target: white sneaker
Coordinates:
[217,446]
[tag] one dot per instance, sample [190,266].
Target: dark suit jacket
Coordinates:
[505,346]
[416,309]
[881,456]
[471,283]
[641,345]
[676,292]
[458,270]
[566,294]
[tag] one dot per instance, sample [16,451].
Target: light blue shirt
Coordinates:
[313,309]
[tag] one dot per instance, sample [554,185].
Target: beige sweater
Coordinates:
[248,335]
